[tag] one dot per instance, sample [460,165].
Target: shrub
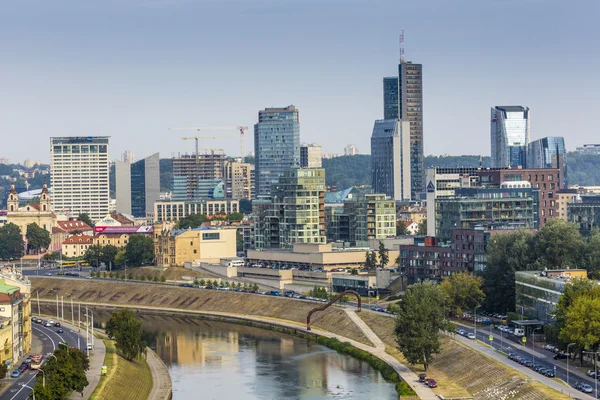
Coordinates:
[163,279]
[130,276]
[155,278]
[142,277]
[202,282]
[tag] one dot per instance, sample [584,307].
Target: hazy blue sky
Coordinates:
[131,69]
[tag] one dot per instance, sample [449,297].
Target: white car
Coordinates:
[47,324]
[51,322]
[471,336]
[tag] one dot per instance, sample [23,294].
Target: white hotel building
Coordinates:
[79,175]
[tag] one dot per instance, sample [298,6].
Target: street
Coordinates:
[511,344]
[48,339]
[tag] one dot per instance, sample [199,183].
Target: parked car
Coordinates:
[432,383]
[511,356]
[536,367]
[550,373]
[422,377]
[517,358]
[543,371]
[186,285]
[274,293]
[16,373]
[461,332]
[591,373]
[585,388]
[471,335]
[560,356]
[528,364]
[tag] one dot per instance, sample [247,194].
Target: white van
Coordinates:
[519,332]
[236,263]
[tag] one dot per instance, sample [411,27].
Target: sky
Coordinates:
[132,69]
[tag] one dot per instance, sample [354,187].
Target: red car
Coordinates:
[431,383]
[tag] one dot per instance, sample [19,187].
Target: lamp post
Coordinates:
[595,380]
[475,319]
[568,356]
[533,336]
[29,387]
[43,377]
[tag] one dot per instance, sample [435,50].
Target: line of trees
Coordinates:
[196,220]
[138,251]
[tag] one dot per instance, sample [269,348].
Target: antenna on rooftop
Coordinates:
[401,43]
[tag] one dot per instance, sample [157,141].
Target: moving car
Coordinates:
[585,388]
[550,373]
[59,330]
[461,332]
[47,324]
[591,373]
[471,335]
[57,324]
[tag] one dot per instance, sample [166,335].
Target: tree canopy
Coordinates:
[124,327]
[383,255]
[558,244]
[192,221]
[64,374]
[139,250]
[370,260]
[84,217]
[97,255]
[462,292]
[420,318]
[11,242]
[37,238]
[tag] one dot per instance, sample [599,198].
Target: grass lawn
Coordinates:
[127,380]
[170,273]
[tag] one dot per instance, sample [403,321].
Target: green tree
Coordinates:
[506,254]
[239,241]
[108,254]
[462,292]
[353,271]
[120,258]
[51,256]
[401,229]
[370,260]
[11,242]
[420,318]
[422,228]
[84,217]
[37,238]
[383,255]
[192,221]
[3,370]
[139,250]
[591,255]
[163,278]
[124,327]
[558,244]
[255,287]
[64,373]
[235,217]
[582,322]
[92,255]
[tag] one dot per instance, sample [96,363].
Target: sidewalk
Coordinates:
[524,370]
[162,387]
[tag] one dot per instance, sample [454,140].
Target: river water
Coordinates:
[218,360]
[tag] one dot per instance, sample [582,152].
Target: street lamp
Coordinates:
[475,319]
[595,380]
[29,387]
[568,356]
[43,377]
[533,336]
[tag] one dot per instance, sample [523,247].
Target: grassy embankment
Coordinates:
[127,380]
[134,295]
[170,273]
[463,372]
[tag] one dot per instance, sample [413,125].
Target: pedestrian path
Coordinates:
[162,387]
[365,328]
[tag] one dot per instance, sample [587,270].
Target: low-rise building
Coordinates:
[563,199]
[15,310]
[537,292]
[39,214]
[372,284]
[585,213]
[76,245]
[175,210]
[204,244]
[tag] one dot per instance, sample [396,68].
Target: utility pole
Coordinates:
[57,307]
[72,313]
[38,301]
[62,306]
[87,338]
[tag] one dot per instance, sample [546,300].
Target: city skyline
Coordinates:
[177,67]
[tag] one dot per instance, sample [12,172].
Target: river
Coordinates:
[219,360]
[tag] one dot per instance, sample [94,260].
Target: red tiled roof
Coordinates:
[79,239]
[121,218]
[56,229]
[70,226]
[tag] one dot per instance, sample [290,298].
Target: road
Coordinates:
[45,340]
[508,343]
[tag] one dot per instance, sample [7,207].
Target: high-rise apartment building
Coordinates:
[296,211]
[79,178]
[350,150]
[237,177]
[138,186]
[311,156]
[391,158]
[390,97]
[585,149]
[276,145]
[509,136]
[549,152]
[128,157]
[195,176]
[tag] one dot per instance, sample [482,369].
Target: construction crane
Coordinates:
[198,150]
[241,129]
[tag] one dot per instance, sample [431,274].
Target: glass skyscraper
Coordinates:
[390,97]
[138,186]
[549,152]
[390,158]
[276,145]
[509,136]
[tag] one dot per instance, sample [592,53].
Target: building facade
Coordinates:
[237,178]
[138,186]
[548,152]
[391,159]
[350,150]
[564,198]
[175,210]
[205,244]
[311,156]
[390,97]
[39,214]
[276,145]
[296,211]
[509,136]
[513,205]
[593,149]
[195,176]
[79,178]
[585,213]
[76,246]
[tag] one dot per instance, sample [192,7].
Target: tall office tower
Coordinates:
[403,99]
[549,152]
[390,97]
[276,145]
[138,186]
[128,157]
[350,150]
[510,136]
[311,156]
[237,177]
[79,178]
[296,211]
[197,176]
[391,158]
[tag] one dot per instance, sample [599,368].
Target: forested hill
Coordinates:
[347,171]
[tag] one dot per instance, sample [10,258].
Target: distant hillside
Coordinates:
[346,171]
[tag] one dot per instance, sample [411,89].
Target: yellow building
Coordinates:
[205,244]
[76,246]
[15,305]
[31,213]
[116,239]
[5,340]
[563,198]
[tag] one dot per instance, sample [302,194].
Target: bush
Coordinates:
[393,297]
[163,279]
[111,275]
[142,277]
[202,282]
[155,278]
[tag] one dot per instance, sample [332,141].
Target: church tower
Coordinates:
[12,205]
[45,199]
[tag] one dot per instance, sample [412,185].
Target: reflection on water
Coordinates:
[217,360]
